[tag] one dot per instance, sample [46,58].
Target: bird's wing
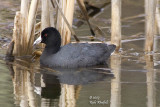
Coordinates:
[87,54]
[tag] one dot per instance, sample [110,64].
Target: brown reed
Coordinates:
[116,24]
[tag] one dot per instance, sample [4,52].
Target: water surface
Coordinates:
[131,78]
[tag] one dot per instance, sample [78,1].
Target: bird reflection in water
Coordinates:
[42,86]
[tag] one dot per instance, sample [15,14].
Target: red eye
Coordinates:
[45,35]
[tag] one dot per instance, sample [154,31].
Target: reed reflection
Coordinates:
[72,80]
[116,82]
[150,75]
[23,79]
[45,87]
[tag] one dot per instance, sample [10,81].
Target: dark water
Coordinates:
[131,79]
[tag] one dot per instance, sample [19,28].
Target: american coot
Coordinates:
[72,55]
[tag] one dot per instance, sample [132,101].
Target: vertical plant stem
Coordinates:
[158,16]
[150,8]
[45,16]
[60,15]
[157,27]
[116,23]
[69,15]
[16,34]
[51,12]
[24,22]
[84,11]
[31,24]
[32,17]
[67,9]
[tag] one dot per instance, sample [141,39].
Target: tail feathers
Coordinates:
[111,48]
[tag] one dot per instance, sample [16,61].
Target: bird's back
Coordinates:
[79,55]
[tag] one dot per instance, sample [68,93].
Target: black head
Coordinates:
[50,36]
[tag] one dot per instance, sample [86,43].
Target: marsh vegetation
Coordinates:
[130,79]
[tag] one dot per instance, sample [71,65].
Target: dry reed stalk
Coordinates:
[51,12]
[61,15]
[45,16]
[158,17]
[20,29]
[60,20]
[155,45]
[84,11]
[24,21]
[38,26]
[31,24]
[67,7]
[116,23]
[132,17]
[150,10]
[23,32]
[37,29]
[16,34]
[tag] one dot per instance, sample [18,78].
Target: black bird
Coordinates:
[72,55]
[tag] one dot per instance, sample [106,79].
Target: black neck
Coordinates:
[52,49]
